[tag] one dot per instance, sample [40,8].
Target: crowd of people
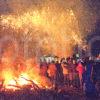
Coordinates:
[75,73]
[78,73]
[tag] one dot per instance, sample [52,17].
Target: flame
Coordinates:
[10,85]
[26,77]
[17,83]
[22,81]
[51,29]
[7,75]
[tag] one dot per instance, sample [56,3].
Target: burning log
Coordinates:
[16,86]
[33,84]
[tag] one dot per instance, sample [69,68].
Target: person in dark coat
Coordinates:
[96,72]
[89,67]
[59,74]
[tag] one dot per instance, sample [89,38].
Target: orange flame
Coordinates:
[54,29]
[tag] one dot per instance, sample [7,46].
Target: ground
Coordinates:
[62,94]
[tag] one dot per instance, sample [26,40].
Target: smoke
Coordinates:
[53,27]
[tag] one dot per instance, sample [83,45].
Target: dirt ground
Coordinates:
[62,94]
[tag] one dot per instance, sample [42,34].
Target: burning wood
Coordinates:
[33,84]
[13,79]
[18,85]
[42,27]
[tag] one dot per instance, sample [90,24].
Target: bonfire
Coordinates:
[18,78]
